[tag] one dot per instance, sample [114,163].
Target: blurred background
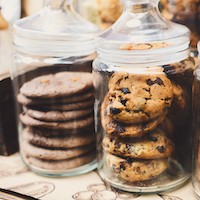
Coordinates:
[105,12]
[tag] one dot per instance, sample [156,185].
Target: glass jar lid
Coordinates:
[56,30]
[141,34]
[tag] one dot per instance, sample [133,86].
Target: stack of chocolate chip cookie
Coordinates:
[132,114]
[58,122]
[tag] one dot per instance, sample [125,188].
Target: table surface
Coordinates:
[16,176]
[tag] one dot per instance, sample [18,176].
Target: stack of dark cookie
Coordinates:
[132,114]
[58,122]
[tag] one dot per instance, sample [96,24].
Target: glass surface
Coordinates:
[143,79]
[54,50]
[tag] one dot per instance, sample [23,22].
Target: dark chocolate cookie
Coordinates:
[53,153]
[57,85]
[65,107]
[60,165]
[58,116]
[74,124]
[69,141]
[64,100]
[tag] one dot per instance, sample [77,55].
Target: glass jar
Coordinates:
[196,129]
[185,12]
[101,12]
[143,78]
[8,128]
[54,49]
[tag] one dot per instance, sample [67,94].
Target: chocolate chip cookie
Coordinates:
[152,146]
[115,128]
[132,170]
[135,98]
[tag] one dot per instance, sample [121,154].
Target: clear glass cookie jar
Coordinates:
[54,50]
[143,83]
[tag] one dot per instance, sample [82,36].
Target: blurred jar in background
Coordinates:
[11,10]
[185,12]
[102,12]
[8,131]
[29,7]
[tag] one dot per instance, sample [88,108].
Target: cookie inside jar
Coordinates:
[143,77]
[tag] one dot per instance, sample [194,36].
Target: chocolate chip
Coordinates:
[138,111]
[153,139]
[123,102]
[167,99]
[127,110]
[114,111]
[147,90]
[125,90]
[157,81]
[150,82]
[161,149]
[147,99]
[122,166]
[169,69]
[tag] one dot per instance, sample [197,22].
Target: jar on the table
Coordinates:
[52,78]
[185,12]
[143,83]
[196,130]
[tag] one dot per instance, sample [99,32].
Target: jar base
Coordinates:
[169,180]
[63,173]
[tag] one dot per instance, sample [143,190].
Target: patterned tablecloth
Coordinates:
[14,175]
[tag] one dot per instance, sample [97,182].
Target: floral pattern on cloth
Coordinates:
[101,192]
